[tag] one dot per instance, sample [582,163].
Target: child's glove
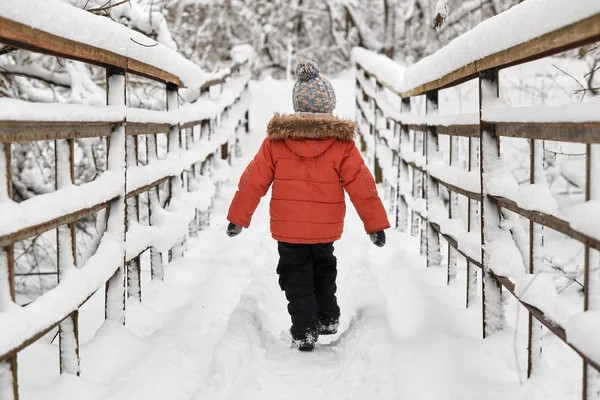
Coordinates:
[234,230]
[378,238]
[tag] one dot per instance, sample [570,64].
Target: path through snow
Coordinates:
[216,328]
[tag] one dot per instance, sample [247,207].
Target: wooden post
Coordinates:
[134,278]
[403,137]
[191,174]
[66,258]
[452,213]
[173,145]
[247,121]
[493,314]
[591,281]
[375,132]
[204,217]
[536,242]
[472,223]
[116,84]
[9,386]
[434,257]
[156,262]
[416,184]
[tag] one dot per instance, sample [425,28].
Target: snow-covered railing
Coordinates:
[424,180]
[201,136]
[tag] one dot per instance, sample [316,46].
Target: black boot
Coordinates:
[306,343]
[328,327]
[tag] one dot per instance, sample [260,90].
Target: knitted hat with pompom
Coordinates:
[312,92]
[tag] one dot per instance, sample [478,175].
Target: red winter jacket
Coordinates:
[310,159]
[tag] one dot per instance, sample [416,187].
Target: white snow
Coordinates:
[389,110]
[387,71]
[500,182]
[504,256]
[585,218]
[539,291]
[410,156]
[456,176]
[75,286]
[46,207]
[470,244]
[495,34]
[19,110]
[441,8]
[582,330]
[498,111]
[491,36]
[56,17]
[536,197]
[453,227]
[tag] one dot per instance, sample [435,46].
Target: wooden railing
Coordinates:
[404,150]
[178,187]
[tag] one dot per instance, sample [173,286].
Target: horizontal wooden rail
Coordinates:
[145,188]
[548,220]
[558,132]
[31,340]
[572,36]
[471,131]
[146,128]
[467,193]
[29,131]
[15,34]
[454,243]
[35,230]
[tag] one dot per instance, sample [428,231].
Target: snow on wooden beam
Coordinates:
[548,220]
[26,37]
[565,38]
[473,52]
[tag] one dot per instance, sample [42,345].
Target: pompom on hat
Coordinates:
[312,92]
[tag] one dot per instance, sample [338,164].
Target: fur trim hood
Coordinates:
[310,126]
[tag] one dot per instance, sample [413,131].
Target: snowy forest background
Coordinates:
[280,32]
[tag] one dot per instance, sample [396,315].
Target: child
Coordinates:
[310,157]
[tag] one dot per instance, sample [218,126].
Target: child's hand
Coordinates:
[378,238]
[233,229]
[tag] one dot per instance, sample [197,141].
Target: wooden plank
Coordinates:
[192,124]
[467,193]
[34,338]
[548,220]
[558,132]
[454,243]
[459,130]
[145,188]
[35,230]
[21,36]
[29,131]
[417,127]
[569,37]
[548,323]
[415,166]
[143,128]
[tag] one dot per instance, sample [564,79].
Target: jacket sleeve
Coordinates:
[253,185]
[360,185]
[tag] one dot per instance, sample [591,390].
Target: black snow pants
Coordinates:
[307,273]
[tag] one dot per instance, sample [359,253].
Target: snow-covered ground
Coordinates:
[216,328]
